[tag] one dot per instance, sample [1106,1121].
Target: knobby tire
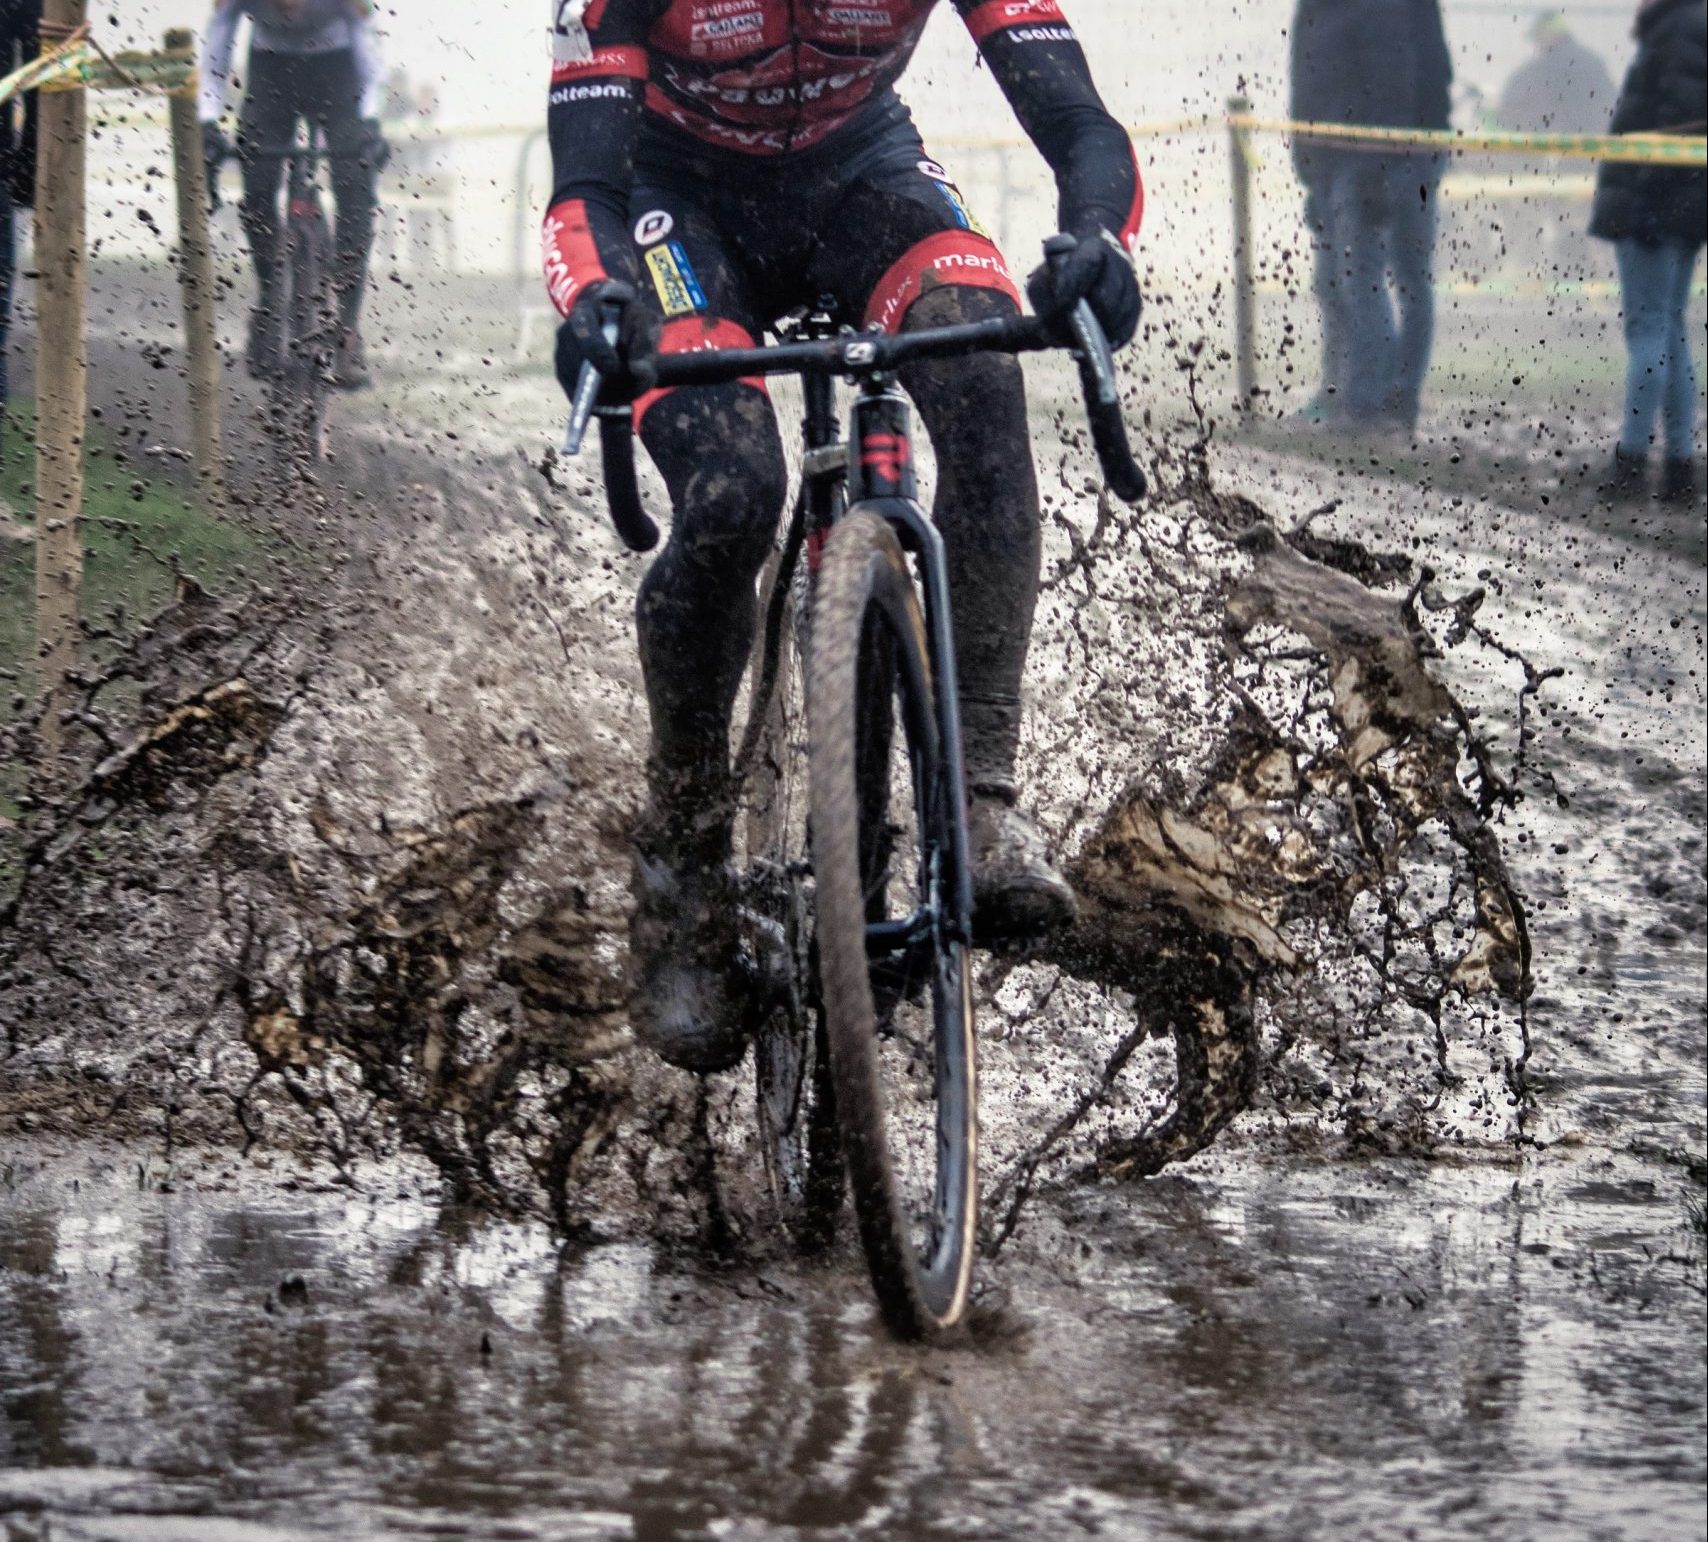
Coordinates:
[864,591]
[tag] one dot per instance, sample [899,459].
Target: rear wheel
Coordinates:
[301,381]
[895,978]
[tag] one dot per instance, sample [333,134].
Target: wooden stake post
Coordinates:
[1245,287]
[196,282]
[61,367]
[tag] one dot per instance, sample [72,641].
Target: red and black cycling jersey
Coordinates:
[759,80]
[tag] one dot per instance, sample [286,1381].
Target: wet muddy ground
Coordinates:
[1495,1333]
[1251,1348]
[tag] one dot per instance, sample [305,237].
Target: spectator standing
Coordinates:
[1382,63]
[20,42]
[1654,216]
[1562,88]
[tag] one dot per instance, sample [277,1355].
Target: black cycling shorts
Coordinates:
[726,251]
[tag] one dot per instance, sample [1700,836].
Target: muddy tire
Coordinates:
[794,1098]
[301,383]
[905,1100]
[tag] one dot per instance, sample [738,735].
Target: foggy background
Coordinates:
[467,187]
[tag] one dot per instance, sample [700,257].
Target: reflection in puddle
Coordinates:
[1345,1351]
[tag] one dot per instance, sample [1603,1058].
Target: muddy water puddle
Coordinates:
[1261,1348]
[1263,1344]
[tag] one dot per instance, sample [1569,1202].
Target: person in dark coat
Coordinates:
[1654,216]
[20,29]
[1371,213]
[1562,88]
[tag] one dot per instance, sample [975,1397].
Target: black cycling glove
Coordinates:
[1098,270]
[216,150]
[629,365]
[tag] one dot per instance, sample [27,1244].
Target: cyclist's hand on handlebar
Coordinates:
[216,150]
[628,364]
[1099,271]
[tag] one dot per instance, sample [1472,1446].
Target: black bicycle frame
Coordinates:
[879,473]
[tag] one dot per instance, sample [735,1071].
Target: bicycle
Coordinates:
[299,376]
[866,1064]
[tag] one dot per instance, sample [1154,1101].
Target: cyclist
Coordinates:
[716,164]
[312,59]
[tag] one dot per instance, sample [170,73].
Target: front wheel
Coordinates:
[893,958]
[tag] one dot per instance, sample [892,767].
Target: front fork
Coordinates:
[880,475]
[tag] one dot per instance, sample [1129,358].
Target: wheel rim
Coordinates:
[924,1059]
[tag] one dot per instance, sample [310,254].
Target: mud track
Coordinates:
[345,866]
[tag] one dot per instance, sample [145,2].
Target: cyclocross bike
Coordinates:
[300,375]
[858,884]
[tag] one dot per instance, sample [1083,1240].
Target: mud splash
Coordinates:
[354,875]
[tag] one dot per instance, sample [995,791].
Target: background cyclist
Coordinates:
[313,60]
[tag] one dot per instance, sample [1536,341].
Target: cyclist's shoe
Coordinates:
[1018,891]
[350,362]
[261,357]
[690,990]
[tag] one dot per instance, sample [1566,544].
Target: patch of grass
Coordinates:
[136,527]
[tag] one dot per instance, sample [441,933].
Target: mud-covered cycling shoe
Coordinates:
[261,354]
[350,362]
[1018,891]
[691,988]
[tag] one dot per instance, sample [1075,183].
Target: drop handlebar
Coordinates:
[860,355]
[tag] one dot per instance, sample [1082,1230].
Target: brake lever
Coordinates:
[587,385]
[1096,361]
[1095,352]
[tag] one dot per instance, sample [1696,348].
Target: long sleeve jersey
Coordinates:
[316,27]
[773,78]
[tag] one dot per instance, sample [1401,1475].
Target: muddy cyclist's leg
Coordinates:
[986,506]
[268,122]
[987,509]
[721,457]
[337,95]
[720,454]
[914,256]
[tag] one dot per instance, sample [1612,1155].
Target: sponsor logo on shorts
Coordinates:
[673,279]
[653,226]
[934,171]
[949,268]
[963,216]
